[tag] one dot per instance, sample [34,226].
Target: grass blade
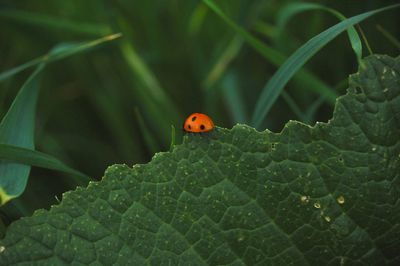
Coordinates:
[17,128]
[312,110]
[197,19]
[234,99]
[39,159]
[223,62]
[56,23]
[276,84]
[150,141]
[292,9]
[157,104]
[59,52]
[171,146]
[389,36]
[293,106]
[305,78]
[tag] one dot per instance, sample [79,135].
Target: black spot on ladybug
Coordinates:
[194,118]
[189,127]
[202,127]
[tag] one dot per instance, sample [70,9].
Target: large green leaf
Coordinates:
[321,195]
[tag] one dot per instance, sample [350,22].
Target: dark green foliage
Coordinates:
[116,103]
[17,149]
[16,128]
[321,195]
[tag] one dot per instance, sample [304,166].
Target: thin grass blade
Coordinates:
[38,159]
[311,112]
[149,139]
[173,136]
[293,106]
[276,84]
[292,9]
[56,23]
[59,52]
[305,78]
[197,19]
[158,104]
[234,99]
[223,62]
[389,36]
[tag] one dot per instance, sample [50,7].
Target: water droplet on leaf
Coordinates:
[340,200]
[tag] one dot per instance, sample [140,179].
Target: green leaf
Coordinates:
[17,128]
[322,195]
[39,159]
[278,81]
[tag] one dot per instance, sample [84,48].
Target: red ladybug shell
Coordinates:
[198,122]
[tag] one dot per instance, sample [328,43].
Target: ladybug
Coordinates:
[198,123]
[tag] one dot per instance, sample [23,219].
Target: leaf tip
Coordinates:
[4,197]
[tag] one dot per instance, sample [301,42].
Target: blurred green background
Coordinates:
[117,102]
